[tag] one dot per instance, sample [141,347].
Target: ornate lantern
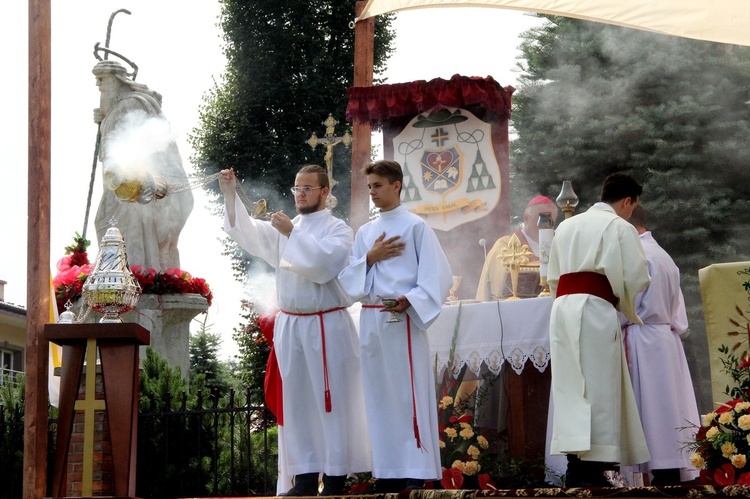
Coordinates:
[567,200]
[111,288]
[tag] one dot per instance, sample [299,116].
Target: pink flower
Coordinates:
[67,276]
[64,263]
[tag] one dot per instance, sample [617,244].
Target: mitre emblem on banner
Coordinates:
[451,150]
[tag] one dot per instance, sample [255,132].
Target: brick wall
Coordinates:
[103,467]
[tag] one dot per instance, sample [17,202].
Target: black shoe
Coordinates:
[414,484]
[587,474]
[386,486]
[305,484]
[667,476]
[333,485]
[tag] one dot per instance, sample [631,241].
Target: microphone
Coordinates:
[483,244]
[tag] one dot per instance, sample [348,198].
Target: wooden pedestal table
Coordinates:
[118,345]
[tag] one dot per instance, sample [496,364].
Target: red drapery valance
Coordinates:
[379,103]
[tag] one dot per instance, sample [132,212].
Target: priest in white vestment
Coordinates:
[398,256]
[314,336]
[597,267]
[658,366]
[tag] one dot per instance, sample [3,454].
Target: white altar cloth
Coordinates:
[492,333]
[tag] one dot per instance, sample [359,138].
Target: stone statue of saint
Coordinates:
[139,160]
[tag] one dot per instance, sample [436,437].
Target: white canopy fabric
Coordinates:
[725,21]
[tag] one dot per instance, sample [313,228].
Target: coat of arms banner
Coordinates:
[451,139]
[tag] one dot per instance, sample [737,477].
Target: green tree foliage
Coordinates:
[175,467]
[673,112]
[289,63]
[12,400]
[189,444]
[204,361]
[160,385]
[199,443]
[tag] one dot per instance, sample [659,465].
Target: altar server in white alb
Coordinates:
[597,267]
[314,336]
[658,367]
[398,256]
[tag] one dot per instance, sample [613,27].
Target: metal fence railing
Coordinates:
[9,375]
[214,448]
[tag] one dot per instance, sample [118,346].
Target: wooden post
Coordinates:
[38,258]
[364,49]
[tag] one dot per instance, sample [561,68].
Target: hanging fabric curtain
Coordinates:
[725,21]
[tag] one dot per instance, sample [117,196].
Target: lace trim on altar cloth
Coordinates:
[494,358]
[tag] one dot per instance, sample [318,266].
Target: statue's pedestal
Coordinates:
[168,318]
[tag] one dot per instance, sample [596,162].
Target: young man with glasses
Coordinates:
[314,337]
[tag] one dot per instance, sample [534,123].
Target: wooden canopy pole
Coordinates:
[364,48]
[38,257]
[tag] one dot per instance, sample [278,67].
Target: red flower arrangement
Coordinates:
[74,268]
[72,271]
[722,442]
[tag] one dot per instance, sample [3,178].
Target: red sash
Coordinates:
[327,388]
[411,375]
[272,390]
[590,283]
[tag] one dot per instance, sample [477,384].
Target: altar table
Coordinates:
[494,334]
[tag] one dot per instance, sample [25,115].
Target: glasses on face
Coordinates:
[304,190]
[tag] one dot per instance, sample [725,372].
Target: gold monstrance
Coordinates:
[513,257]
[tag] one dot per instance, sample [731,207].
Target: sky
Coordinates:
[177,46]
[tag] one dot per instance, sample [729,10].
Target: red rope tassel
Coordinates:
[416,433]
[413,396]
[327,392]
[326,385]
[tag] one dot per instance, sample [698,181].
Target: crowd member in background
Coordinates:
[492,281]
